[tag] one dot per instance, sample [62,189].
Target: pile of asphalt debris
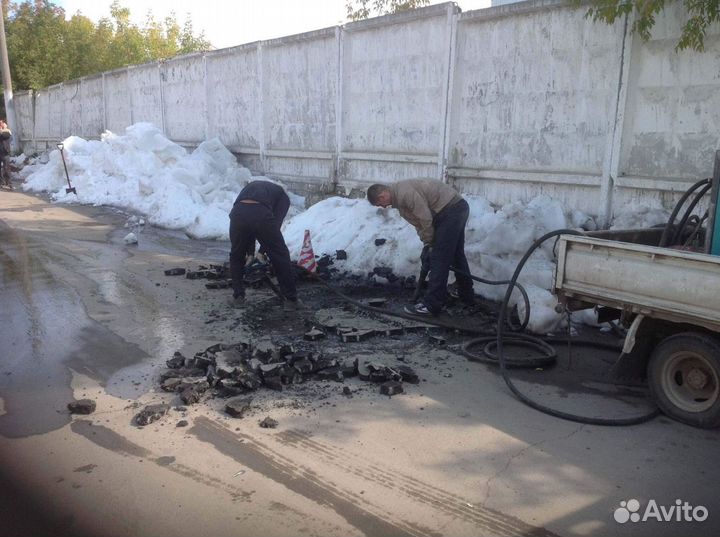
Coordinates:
[237,370]
[257,271]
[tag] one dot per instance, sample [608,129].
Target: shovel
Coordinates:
[70,188]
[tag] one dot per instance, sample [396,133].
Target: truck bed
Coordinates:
[658,282]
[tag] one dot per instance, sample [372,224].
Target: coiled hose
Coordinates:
[504,365]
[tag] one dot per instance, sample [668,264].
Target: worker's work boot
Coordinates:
[237,300]
[418,309]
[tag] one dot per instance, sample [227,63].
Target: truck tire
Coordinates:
[684,378]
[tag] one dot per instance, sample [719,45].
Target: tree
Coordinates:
[701,15]
[362,9]
[44,48]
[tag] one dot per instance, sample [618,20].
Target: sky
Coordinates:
[227,23]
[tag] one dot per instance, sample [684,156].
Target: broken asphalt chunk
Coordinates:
[171,384]
[83,406]
[357,335]
[323,362]
[437,340]
[331,373]
[304,366]
[274,383]
[268,423]
[176,362]
[190,395]
[182,373]
[238,406]
[151,413]
[380,242]
[248,380]
[377,302]
[175,272]
[391,387]
[408,374]
[340,255]
[314,335]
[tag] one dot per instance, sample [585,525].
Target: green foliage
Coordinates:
[701,15]
[44,48]
[362,9]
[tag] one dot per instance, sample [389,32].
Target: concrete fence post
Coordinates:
[613,151]
[452,22]
[339,36]
[261,97]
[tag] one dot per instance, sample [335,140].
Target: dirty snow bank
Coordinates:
[145,172]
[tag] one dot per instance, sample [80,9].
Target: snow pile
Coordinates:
[635,216]
[494,243]
[145,172]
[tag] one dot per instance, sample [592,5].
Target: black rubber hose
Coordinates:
[697,228]
[681,226]
[430,320]
[676,210]
[547,357]
[503,361]
[520,288]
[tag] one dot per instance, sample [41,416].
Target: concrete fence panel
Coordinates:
[233,89]
[184,99]
[394,85]
[529,104]
[42,115]
[118,112]
[93,108]
[671,121]
[72,106]
[56,103]
[299,93]
[24,113]
[146,94]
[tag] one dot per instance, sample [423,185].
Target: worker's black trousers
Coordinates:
[448,249]
[251,222]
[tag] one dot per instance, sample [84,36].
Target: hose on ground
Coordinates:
[504,364]
[523,325]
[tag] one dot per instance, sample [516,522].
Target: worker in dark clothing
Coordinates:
[257,214]
[439,215]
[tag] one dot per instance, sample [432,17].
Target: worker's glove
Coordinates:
[425,256]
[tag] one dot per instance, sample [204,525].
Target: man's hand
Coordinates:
[425,256]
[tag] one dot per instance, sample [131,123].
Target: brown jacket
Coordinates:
[419,200]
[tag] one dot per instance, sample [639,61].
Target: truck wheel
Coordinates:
[684,378]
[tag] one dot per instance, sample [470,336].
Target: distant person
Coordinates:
[257,214]
[439,215]
[5,151]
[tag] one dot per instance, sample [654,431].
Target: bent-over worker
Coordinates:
[257,214]
[439,215]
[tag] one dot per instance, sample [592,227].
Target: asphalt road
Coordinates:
[85,316]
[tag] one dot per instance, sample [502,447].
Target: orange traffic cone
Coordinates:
[307,256]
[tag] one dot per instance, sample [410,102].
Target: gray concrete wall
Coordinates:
[508,102]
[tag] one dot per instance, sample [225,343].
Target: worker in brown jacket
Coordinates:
[439,215]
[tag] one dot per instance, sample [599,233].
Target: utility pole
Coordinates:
[7,86]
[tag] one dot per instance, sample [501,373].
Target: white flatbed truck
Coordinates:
[670,302]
